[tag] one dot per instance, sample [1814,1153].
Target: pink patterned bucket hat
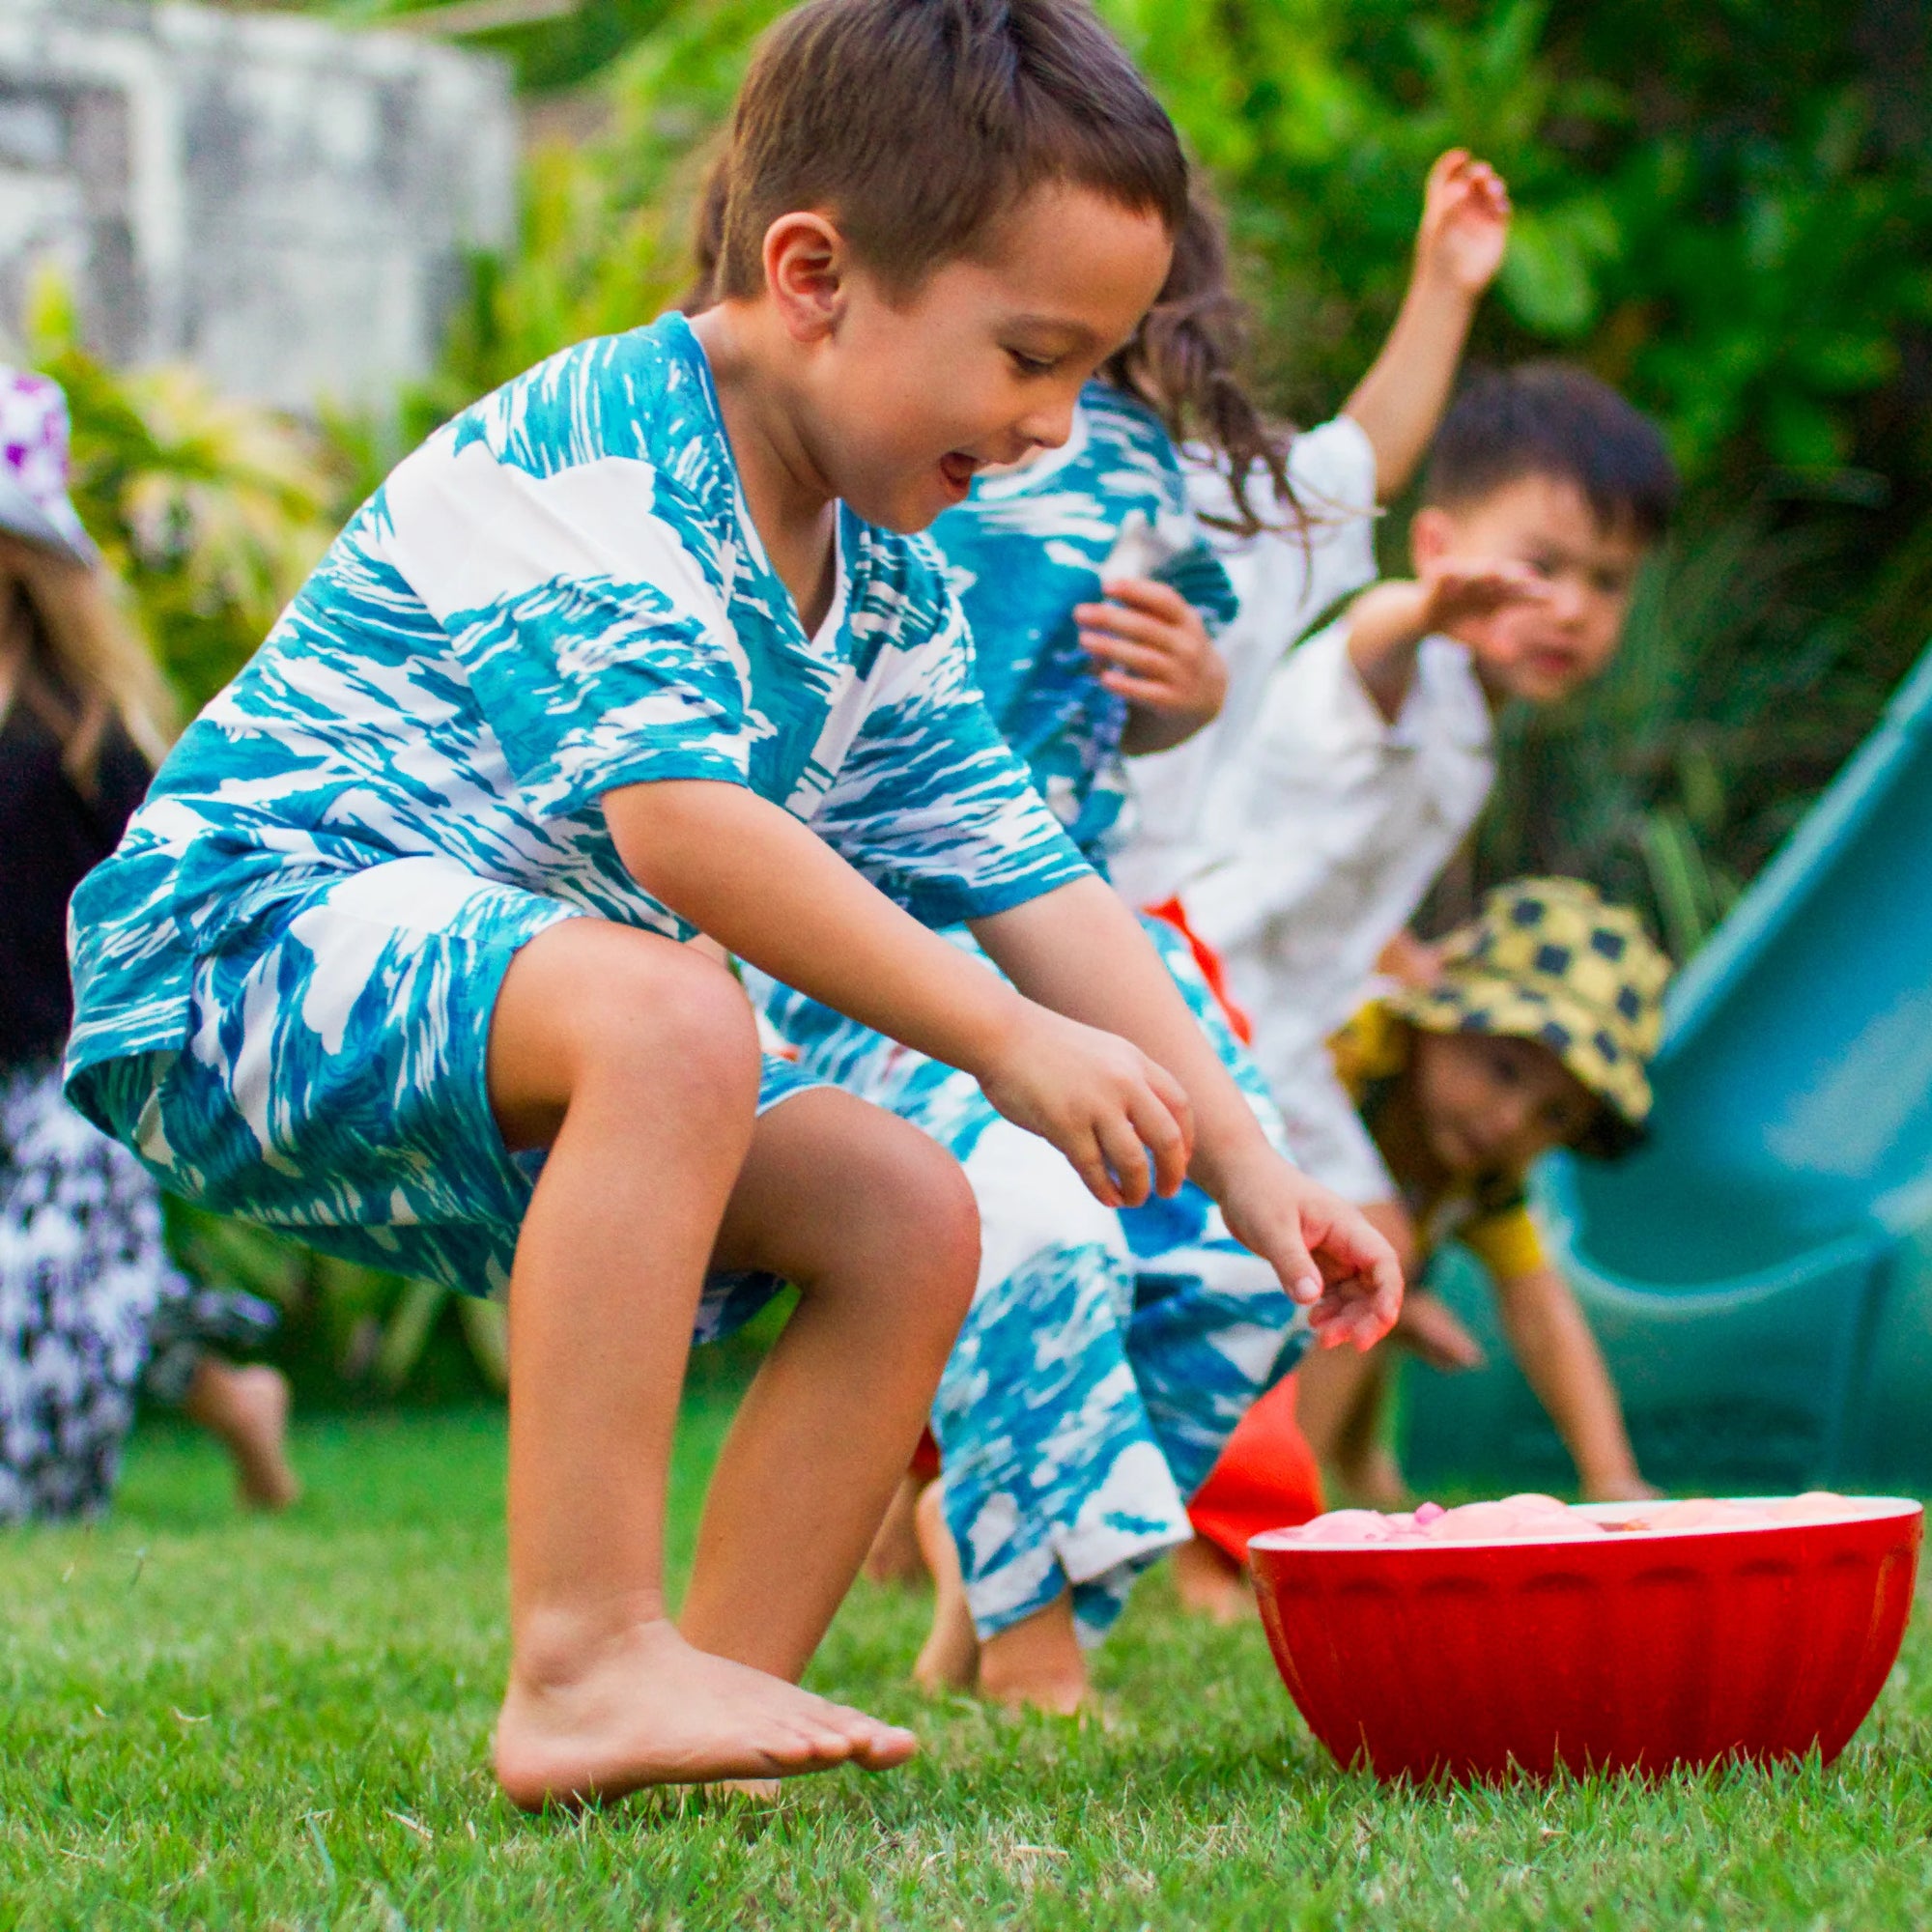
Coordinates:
[34,466]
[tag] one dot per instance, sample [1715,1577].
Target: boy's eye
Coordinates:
[1030,365]
[1610,582]
[1503,1069]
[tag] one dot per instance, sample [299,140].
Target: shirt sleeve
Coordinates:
[587,608]
[1506,1242]
[1278,820]
[928,801]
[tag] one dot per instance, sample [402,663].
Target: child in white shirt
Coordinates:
[1369,755]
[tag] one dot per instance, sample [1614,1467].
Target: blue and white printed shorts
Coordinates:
[335,1085]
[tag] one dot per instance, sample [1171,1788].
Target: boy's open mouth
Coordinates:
[959,468]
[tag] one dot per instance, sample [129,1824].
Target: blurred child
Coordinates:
[1289,564]
[637,647]
[91,1308]
[1537,1033]
[1108,1353]
[1371,752]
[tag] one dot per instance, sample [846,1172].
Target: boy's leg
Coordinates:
[1052,1475]
[875,1225]
[637,1062]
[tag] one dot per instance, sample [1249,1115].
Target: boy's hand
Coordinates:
[1325,1253]
[1101,1100]
[1465,217]
[1153,649]
[1461,590]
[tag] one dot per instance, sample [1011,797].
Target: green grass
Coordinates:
[211,1721]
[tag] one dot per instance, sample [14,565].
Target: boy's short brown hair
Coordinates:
[915,123]
[1554,419]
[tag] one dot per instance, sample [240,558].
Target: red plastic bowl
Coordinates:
[1636,1651]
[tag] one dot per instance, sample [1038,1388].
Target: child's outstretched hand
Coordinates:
[1152,648]
[1324,1251]
[1461,590]
[1124,1122]
[1465,217]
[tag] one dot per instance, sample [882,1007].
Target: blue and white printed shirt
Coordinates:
[561,592]
[1027,546]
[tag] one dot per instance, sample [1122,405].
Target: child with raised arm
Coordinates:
[637,647]
[1290,564]
[1370,754]
[1108,1353]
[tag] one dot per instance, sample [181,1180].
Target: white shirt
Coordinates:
[1313,850]
[1285,580]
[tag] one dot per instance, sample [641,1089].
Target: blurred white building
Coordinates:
[283,204]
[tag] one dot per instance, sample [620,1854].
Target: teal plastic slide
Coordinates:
[1760,1273]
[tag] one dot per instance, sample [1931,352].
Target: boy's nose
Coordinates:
[1047,428]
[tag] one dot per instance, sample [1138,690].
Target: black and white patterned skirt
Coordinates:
[92,1311]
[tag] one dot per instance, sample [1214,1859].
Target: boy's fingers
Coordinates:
[1126,1158]
[1142,691]
[1294,1268]
[1166,1139]
[1172,1096]
[1129,654]
[1090,1164]
[1148,594]
[1151,628]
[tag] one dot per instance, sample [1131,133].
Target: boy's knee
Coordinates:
[922,1192]
[663,1017]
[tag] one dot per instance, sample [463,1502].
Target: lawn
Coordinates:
[211,1721]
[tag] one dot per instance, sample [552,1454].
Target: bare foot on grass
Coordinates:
[949,1659]
[649,1709]
[247,1410]
[1210,1583]
[1036,1664]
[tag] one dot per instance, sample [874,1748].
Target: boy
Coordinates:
[1319,546]
[630,650]
[1537,1033]
[1371,749]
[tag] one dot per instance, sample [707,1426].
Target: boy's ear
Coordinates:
[1431,532]
[805,263]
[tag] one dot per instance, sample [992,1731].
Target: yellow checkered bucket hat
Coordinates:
[1549,960]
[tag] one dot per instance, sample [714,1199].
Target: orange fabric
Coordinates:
[1171,912]
[1267,1477]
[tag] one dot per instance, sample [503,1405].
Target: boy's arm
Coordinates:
[1080,950]
[1388,622]
[757,881]
[1559,1358]
[1459,248]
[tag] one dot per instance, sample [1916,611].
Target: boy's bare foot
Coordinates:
[1210,1583]
[949,1659]
[895,1556]
[1036,1664]
[648,1708]
[247,1410]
